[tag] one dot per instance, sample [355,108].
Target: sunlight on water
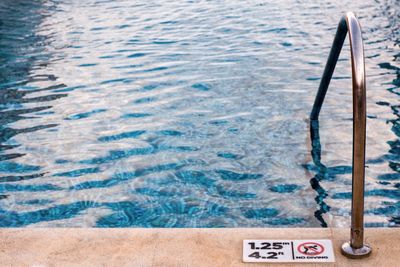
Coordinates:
[190,114]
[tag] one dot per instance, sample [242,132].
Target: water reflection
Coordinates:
[321,170]
[186,114]
[22,50]
[393,157]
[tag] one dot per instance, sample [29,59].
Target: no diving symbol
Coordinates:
[310,249]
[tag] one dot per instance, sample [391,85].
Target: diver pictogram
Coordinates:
[310,249]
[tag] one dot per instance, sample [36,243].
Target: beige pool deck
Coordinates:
[173,247]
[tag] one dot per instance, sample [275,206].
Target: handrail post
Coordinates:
[349,23]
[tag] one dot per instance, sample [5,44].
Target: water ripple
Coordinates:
[190,114]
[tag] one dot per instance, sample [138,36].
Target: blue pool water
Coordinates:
[118,113]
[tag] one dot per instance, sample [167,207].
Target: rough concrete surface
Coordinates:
[173,247]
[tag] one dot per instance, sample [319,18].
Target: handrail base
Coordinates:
[356,253]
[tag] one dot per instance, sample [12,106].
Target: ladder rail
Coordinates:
[349,24]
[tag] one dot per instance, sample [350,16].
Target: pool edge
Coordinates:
[172,247]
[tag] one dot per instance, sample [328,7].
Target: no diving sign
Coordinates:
[311,248]
[288,251]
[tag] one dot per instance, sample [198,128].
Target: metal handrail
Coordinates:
[349,23]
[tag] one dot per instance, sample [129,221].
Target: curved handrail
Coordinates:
[349,23]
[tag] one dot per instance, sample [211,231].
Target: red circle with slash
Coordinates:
[310,248]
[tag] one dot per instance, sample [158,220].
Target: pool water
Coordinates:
[118,113]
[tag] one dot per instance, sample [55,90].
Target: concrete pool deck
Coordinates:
[173,247]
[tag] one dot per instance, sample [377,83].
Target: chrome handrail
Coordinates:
[349,23]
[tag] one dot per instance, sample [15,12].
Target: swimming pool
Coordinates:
[190,114]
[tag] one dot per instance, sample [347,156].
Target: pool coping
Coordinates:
[173,246]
